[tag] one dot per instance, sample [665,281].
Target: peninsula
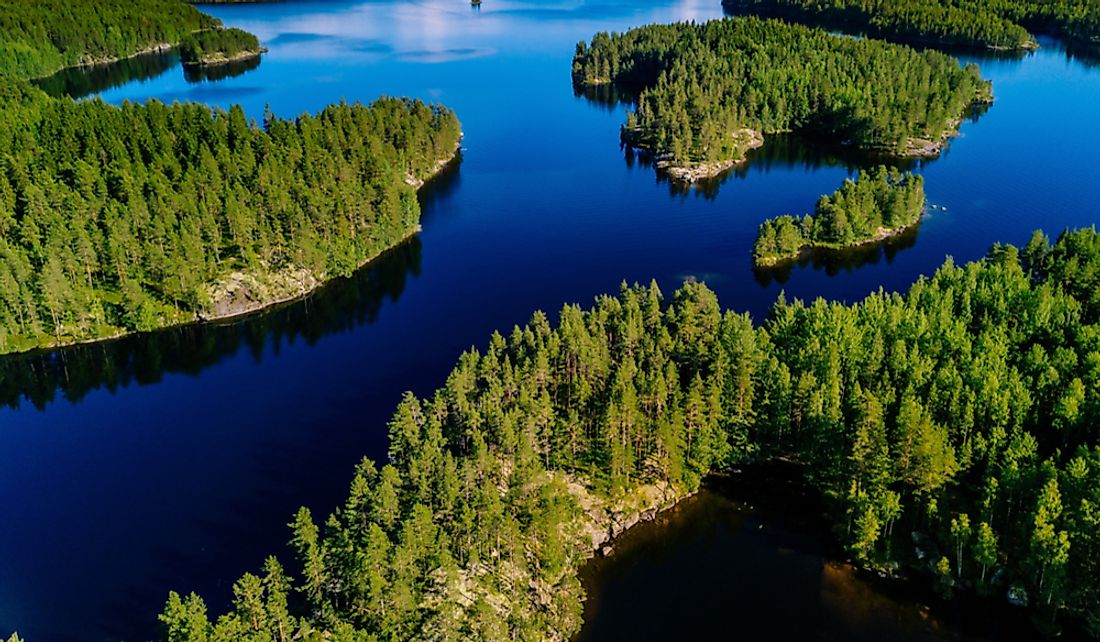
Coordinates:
[143,216]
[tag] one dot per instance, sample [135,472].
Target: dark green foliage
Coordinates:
[966,410]
[217,45]
[39,37]
[122,218]
[971,403]
[875,205]
[938,22]
[997,24]
[702,85]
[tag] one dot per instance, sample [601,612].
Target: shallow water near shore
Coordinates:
[175,460]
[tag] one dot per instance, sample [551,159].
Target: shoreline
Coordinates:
[882,234]
[309,286]
[914,149]
[220,59]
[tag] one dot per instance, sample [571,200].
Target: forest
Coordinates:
[39,37]
[963,411]
[878,204]
[215,46]
[131,218]
[701,87]
[918,21]
[996,24]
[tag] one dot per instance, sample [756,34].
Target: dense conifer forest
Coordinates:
[997,24]
[39,37]
[704,90]
[877,204]
[215,46]
[134,218]
[951,429]
[131,218]
[918,21]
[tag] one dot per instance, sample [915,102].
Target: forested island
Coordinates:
[707,93]
[996,24]
[934,22]
[951,431]
[219,47]
[40,37]
[877,205]
[132,218]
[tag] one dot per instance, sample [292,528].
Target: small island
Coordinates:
[708,93]
[877,205]
[219,47]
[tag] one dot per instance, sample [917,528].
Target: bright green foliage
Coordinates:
[39,37]
[213,45]
[968,23]
[702,85]
[920,410]
[875,205]
[121,218]
[985,548]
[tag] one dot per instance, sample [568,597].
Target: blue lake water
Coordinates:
[174,461]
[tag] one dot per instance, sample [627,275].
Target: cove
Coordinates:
[175,460]
[749,557]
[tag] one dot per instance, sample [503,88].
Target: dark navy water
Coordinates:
[174,461]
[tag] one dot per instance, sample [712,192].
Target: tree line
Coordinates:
[39,37]
[964,411]
[699,86]
[995,24]
[121,218]
[880,202]
[919,21]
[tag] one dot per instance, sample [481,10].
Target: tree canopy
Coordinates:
[39,37]
[700,86]
[879,203]
[121,219]
[217,46]
[965,410]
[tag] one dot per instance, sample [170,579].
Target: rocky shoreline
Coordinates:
[241,293]
[218,59]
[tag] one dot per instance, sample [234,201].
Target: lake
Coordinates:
[175,460]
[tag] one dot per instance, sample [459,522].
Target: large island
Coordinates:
[708,93]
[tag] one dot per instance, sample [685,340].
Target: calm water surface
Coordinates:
[175,461]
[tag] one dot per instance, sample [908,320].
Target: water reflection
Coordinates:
[833,262]
[786,152]
[79,82]
[214,73]
[40,378]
